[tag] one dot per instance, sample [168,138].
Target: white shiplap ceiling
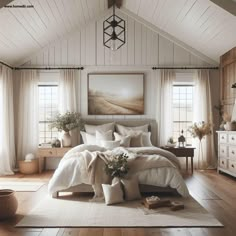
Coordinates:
[200,24]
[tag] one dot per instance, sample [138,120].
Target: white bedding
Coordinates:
[71,171]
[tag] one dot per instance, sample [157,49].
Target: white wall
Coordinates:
[143,47]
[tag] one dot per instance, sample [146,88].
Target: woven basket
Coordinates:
[8,203]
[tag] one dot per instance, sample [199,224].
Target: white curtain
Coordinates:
[165,79]
[69,95]
[203,112]
[27,137]
[7,144]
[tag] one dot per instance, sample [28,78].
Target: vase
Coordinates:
[8,203]
[66,140]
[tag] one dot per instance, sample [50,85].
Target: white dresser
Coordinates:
[227,152]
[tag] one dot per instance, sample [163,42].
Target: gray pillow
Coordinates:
[131,188]
[113,193]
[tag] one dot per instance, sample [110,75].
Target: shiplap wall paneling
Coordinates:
[143,47]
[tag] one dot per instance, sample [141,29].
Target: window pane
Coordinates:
[48,107]
[182,110]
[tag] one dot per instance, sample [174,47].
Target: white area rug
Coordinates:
[79,212]
[21,186]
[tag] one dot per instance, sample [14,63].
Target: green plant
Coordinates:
[67,121]
[171,140]
[117,166]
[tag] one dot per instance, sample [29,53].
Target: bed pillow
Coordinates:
[88,138]
[146,139]
[136,138]
[124,130]
[91,129]
[131,188]
[103,136]
[110,144]
[124,140]
[113,193]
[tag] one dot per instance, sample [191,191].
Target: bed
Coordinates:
[71,176]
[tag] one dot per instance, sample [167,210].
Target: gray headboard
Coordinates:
[130,122]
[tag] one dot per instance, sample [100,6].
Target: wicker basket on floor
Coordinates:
[29,167]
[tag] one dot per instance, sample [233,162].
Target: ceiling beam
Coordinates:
[3,3]
[228,5]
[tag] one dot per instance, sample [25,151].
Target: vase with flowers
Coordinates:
[117,166]
[200,130]
[67,122]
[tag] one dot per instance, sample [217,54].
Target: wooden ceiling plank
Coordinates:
[85,11]
[81,16]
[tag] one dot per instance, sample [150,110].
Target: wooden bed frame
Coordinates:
[132,123]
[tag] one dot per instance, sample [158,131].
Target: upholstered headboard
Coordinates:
[130,122]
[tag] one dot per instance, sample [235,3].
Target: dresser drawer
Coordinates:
[232,166]
[62,151]
[50,152]
[232,138]
[223,163]
[232,152]
[223,151]
[223,138]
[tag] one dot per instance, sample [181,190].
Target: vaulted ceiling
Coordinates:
[201,24]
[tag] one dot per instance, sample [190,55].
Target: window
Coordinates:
[48,107]
[183,94]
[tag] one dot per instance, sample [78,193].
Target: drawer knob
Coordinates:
[232,166]
[223,162]
[223,151]
[232,138]
[232,152]
[50,152]
[222,137]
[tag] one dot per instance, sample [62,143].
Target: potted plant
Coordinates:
[67,122]
[170,142]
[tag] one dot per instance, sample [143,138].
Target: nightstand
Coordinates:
[49,153]
[182,152]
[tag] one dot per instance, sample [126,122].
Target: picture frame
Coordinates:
[115,93]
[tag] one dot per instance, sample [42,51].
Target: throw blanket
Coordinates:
[85,164]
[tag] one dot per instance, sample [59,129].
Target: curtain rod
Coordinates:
[49,68]
[1,62]
[42,68]
[186,68]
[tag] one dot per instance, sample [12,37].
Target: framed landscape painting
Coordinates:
[116,94]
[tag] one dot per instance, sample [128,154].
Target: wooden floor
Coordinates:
[217,193]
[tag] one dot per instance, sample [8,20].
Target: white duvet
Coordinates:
[71,173]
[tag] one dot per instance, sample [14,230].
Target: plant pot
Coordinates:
[66,140]
[8,203]
[229,126]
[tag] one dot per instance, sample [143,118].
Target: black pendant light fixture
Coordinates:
[114,31]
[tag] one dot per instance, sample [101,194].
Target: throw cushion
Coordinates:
[124,130]
[91,129]
[88,138]
[110,144]
[131,188]
[146,139]
[103,136]
[124,140]
[113,193]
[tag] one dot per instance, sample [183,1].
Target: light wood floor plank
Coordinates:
[217,193]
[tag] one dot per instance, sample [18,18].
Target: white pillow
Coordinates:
[146,139]
[110,144]
[131,188]
[124,140]
[91,129]
[124,130]
[88,138]
[113,193]
[106,136]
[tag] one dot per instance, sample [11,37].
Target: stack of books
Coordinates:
[154,202]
